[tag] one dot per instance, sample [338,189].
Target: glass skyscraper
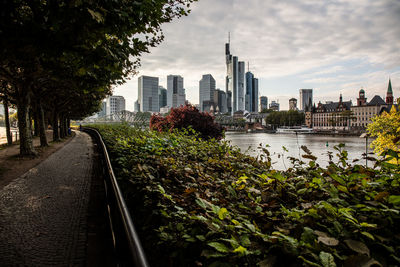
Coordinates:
[148,94]
[206,91]
[306,99]
[176,96]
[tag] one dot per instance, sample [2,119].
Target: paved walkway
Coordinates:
[43,213]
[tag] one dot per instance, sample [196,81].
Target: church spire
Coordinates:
[390,87]
[389,94]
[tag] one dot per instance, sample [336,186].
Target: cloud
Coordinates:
[307,38]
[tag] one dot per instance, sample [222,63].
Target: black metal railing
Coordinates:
[127,246]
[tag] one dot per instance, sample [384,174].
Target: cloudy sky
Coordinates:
[332,46]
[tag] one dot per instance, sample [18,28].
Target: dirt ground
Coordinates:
[13,166]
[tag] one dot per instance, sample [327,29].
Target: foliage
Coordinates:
[386,129]
[185,117]
[203,203]
[285,118]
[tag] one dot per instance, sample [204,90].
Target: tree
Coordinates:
[97,42]
[386,129]
[185,117]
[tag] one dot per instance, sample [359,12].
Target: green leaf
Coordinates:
[368,235]
[329,241]
[241,250]
[327,259]
[201,203]
[219,247]
[223,213]
[394,199]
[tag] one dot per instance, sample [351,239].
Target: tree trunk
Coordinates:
[62,126]
[56,136]
[69,125]
[7,121]
[35,116]
[42,125]
[26,145]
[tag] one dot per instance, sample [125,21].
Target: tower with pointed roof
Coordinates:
[389,94]
[361,100]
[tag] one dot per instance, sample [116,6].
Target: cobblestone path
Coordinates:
[43,213]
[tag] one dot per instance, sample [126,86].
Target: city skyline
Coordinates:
[333,48]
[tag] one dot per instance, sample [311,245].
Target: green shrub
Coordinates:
[204,203]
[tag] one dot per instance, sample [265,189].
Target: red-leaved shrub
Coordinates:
[188,116]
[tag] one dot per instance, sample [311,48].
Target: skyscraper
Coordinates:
[235,81]
[220,101]
[293,104]
[255,95]
[162,96]
[114,104]
[206,91]
[175,92]
[263,103]
[249,91]
[306,99]
[148,94]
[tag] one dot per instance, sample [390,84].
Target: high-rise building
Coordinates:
[115,104]
[306,99]
[255,95]
[148,94]
[206,91]
[220,101]
[235,81]
[389,94]
[249,91]
[103,111]
[263,103]
[293,104]
[274,106]
[162,96]
[175,92]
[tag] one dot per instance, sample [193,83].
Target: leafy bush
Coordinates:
[203,203]
[185,117]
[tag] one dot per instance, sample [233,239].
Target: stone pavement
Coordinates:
[43,213]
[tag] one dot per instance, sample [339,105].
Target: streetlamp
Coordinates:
[365,135]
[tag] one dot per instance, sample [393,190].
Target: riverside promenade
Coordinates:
[45,214]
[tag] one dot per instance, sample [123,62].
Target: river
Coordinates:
[319,145]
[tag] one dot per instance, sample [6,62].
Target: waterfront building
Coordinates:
[332,116]
[293,104]
[220,101]
[263,103]
[254,98]
[389,94]
[364,111]
[206,92]
[114,104]
[176,96]
[274,106]
[162,96]
[148,94]
[306,96]
[249,91]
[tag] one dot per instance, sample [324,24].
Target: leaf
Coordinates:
[241,250]
[357,246]
[327,259]
[368,235]
[201,203]
[329,241]
[394,199]
[223,213]
[219,247]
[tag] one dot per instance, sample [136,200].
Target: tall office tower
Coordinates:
[306,96]
[263,103]
[274,106]
[114,104]
[175,92]
[206,91]
[220,101]
[293,104]
[241,85]
[232,81]
[148,94]
[136,106]
[229,102]
[103,111]
[249,91]
[162,96]
[255,95]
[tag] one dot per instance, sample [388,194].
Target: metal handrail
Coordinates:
[137,255]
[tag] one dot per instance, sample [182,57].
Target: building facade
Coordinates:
[206,91]
[148,94]
[220,101]
[162,96]
[176,96]
[263,103]
[306,99]
[234,81]
[274,106]
[332,116]
[293,104]
[114,104]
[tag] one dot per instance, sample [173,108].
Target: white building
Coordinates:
[176,96]
[115,104]
[148,94]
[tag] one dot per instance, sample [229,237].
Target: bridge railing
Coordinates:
[126,242]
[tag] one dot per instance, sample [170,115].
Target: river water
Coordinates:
[319,145]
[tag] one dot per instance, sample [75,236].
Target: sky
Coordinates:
[332,46]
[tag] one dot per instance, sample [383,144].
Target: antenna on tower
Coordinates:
[229,37]
[248,66]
